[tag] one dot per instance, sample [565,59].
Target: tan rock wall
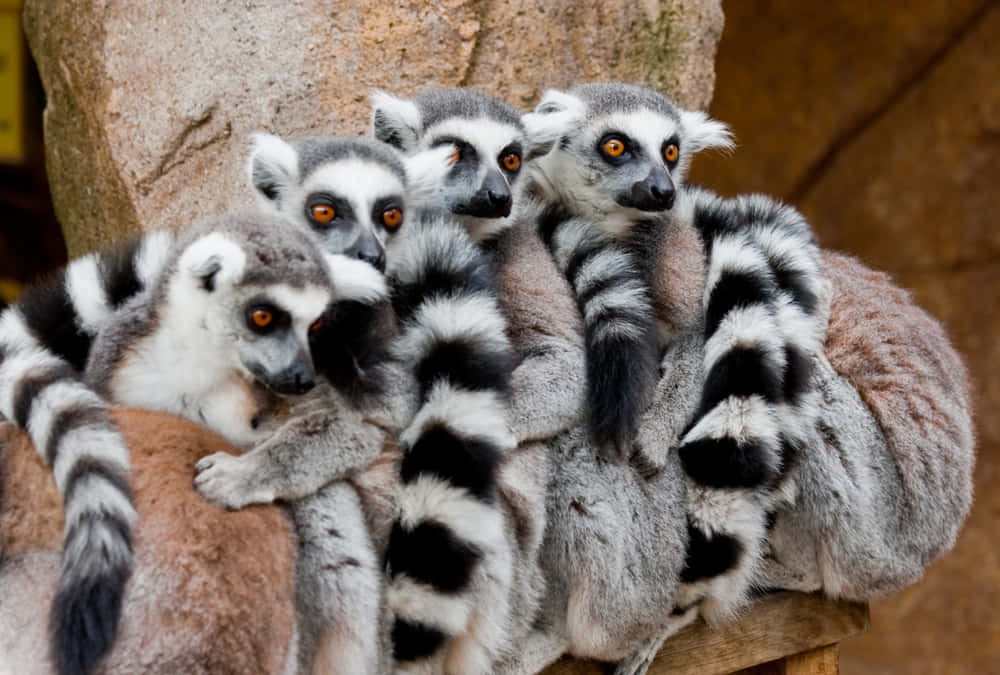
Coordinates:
[881,121]
[151,104]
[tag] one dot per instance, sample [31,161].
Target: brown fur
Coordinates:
[212,591]
[901,362]
[679,278]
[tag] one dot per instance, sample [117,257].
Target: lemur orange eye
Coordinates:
[671,152]
[512,162]
[392,217]
[613,147]
[324,213]
[262,318]
[316,325]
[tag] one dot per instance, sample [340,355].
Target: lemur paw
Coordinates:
[227,480]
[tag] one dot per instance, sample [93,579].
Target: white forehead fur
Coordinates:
[355,279]
[217,253]
[359,181]
[645,127]
[488,136]
[305,304]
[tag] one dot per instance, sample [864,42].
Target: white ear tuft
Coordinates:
[425,174]
[214,259]
[356,280]
[273,167]
[556,114]
[395,121]
[701,132]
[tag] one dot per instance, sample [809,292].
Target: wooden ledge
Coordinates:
[777,626]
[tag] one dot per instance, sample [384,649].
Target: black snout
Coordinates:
[653,193]
[492,200]
[295,380]
[298,378]
[370,250]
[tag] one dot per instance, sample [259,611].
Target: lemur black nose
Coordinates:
[663,195]
[500,200]
[303,384]
[654,193]
[374,258]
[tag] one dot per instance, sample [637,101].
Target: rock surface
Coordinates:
[882,123]
[150,105]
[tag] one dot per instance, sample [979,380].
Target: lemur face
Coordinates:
[622,150]
[488,157]
[491,148]
[272,325]
[249,318]
[348,191]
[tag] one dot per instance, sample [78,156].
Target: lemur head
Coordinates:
[354,193]
[490,143]
[621,151]
[246,290]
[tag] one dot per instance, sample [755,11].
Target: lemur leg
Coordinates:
[619,581]
[338,585]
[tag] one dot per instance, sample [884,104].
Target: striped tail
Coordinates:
[788,243]
[454,336]
[732,451]
[620,335]
[44,342]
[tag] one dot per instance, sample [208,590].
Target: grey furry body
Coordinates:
[301,451]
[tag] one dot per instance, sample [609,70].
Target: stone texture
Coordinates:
[882,124]
[150,105]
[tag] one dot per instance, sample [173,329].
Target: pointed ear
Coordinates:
[213,260]
[355,280]
[273,167]
[701,132]
[426,172]
[557,114]
[395,121]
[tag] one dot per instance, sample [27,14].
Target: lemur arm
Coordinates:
[333,432]
[305,453]
[674,401]
[548,386]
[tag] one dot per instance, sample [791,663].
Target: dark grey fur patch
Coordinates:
[315,151]
[603,98]
[438,105]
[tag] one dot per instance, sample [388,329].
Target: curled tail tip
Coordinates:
[84,621]
[86,610]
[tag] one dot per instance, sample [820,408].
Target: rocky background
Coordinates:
[881,121]
[151,105]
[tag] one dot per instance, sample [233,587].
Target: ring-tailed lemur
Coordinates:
[454,338]
[467,629]
[547,398]
[267,304]
[763,265]
[59,320]
[619,164]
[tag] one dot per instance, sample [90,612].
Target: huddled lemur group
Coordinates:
[613,402]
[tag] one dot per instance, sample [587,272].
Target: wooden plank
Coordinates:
[774,627]
[821,661]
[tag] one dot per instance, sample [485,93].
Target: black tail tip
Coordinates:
[413,641]
[84,623]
